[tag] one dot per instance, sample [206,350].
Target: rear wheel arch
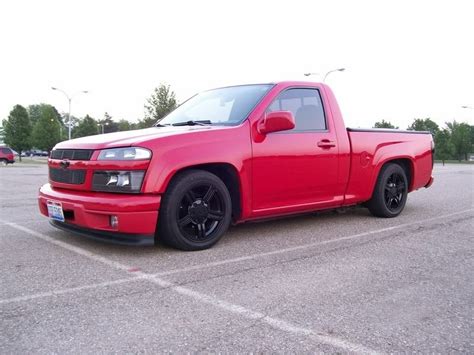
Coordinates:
[407,165]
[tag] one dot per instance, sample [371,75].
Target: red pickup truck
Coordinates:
[231,155]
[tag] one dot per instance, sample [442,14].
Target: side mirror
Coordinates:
[276,121]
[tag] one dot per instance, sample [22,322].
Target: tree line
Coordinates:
[455,141]
[41,126]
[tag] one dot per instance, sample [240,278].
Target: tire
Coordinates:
[390,192]
[3,162]
[195,211]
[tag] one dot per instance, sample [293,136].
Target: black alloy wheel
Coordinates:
[195,211]
[390,192]
[395,189]
[200,211]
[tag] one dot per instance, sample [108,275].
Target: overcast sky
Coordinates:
[403,59]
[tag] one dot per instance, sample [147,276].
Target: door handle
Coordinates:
[326,143]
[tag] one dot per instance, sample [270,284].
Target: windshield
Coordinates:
[224,106]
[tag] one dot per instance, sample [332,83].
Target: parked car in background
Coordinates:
[232,154]
[6,156]
[35,153]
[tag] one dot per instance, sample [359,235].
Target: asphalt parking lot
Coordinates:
[315,283]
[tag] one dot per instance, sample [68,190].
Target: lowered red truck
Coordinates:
[231,155]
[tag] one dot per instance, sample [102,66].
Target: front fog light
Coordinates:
[112,180]
[114,221]
[123,180]
[118,181]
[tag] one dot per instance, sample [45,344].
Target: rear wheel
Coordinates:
[390,193]
[195,211]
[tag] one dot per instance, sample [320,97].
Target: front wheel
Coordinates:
[195,211]
[390,193]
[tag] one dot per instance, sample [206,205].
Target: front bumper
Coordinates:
[88,213]
[103,236]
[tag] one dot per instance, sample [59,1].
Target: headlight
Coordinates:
[118,181]
[130,153]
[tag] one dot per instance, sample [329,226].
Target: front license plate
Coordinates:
[55,211]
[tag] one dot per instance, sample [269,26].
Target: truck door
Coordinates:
[297,169]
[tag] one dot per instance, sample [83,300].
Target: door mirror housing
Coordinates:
[276,121]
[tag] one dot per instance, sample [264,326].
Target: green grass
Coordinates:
[26,160]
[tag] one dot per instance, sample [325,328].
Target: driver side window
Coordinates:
[306,107]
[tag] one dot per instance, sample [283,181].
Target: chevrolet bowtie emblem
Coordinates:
[65,164]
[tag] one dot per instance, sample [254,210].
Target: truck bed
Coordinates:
[371,148]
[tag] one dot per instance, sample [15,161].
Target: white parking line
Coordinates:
[275,323]
[32,221]
[70,247]
[141,276]
[207,299]
[305,246]
[229,307]
[68,290]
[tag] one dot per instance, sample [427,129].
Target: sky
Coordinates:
[403,59]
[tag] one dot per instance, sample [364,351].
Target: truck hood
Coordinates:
[129,138]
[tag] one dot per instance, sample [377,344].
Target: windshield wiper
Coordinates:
[160,125]
[193,123]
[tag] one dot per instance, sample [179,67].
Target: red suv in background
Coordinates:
[6,156]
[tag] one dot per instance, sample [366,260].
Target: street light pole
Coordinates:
[102,125]
[327,73]
[69,98]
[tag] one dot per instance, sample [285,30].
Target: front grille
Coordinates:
[72,154]
[67,176]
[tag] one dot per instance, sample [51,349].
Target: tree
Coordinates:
[124,125]
[420,124]
[472,138]
[108,124]
[17,129]
[443,145]
[47,130]
[2,134]
[161,102]
[384,124]
[36,111]
[86,127]
[460,138]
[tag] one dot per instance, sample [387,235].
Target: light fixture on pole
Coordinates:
[468,107]
[332,71]
[69,99]
[327,73]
